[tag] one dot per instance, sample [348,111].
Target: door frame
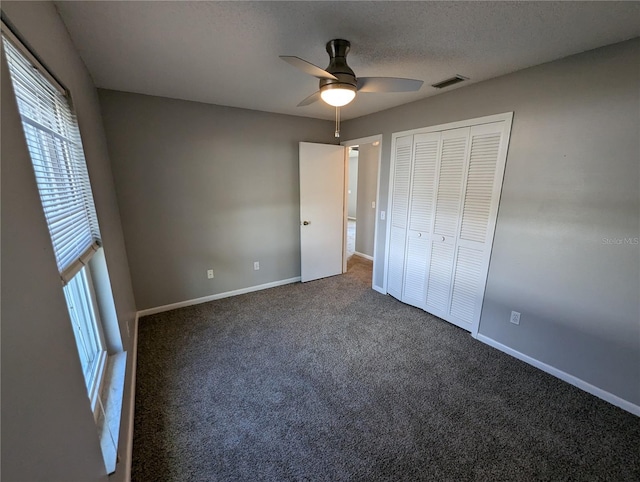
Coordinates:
[347,144]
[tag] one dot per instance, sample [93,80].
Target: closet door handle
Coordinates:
[443,238]
[419,235]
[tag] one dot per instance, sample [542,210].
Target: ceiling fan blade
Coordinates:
[311,99]
[308,67]
[388,84]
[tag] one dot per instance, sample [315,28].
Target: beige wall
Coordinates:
[48,431]
[571,183]
[205,187]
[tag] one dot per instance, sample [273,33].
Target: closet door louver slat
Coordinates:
[465,284]
[416,271]
[424,171]
[480,182]
[439,282]
[401,179]
[452,161]
[396,262]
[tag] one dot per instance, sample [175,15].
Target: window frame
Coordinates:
[52,137]
[80,291]
[54,142]
[105,380]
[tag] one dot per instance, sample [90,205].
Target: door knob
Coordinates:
[443,238]
[306,223]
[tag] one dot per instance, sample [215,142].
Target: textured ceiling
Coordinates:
[226,53]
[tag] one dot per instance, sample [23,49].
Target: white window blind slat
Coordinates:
[58,133]
[55,147]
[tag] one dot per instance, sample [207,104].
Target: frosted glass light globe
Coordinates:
[338,95]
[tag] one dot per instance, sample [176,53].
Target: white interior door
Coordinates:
[322,183]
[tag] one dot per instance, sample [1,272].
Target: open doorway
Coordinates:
[361,196]
[352,200]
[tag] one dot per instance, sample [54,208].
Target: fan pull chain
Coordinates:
[337,133]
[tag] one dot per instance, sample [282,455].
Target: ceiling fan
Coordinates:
[339,84]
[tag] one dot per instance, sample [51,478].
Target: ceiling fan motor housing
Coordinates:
[338,50]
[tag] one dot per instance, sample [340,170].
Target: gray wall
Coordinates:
[367,185]
[48,431]
[204,186]
[571,182]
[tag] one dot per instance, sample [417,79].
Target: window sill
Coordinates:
[109,420]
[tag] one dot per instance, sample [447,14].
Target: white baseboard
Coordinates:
[128,455]
[227,294]
[573,380]
[365,256]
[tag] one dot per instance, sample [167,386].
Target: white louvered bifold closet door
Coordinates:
[485,169]
[451,173]
[446,188]
[399,210]
[420,219]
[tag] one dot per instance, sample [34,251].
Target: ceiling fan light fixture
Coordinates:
[338,83]
[338,95]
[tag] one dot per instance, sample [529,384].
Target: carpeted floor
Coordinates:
[331,381]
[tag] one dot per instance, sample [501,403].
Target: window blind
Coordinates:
[53,139]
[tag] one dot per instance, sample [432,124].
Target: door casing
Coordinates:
[347,144]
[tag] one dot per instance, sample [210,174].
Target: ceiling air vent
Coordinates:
[447,82]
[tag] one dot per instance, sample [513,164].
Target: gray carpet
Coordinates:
[331,381]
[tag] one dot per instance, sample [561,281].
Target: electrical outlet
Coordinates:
[515,318]
[383,215]
[373,204]
[256,265]
[210,273]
